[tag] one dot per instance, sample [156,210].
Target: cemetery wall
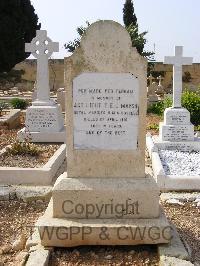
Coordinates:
[56,73]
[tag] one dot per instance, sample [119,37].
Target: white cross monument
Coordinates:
[177,126]
[44,119]
[177,61]
[42,48]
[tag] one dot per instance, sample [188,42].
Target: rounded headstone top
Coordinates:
[106,37]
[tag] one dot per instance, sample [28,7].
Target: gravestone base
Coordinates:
[127,208]
[176,126]
[176,132]
[66,232]
[40,137]
[43,124]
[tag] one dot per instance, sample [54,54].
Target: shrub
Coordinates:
[191,101]
[159,107]
[153,127]
[23,148]
[19,103]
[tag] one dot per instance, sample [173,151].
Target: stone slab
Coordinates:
[34,176]
[46,137]
[172,261]
[33,193]
[44,119]
[39,257]
[106,48]
[176,116]
[6,193]
[106,111]
[175,248]
[176,132]
[177,145]
[100,198]
[170,182]
[59,232]
[12,119]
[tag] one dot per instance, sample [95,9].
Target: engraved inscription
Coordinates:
[106,111]
[182,133]
[41,119]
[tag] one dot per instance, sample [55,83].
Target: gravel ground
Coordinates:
[46,151]
[186,218]
[151,120]
[180,163]
[7,137]
[101,256]
[16,217]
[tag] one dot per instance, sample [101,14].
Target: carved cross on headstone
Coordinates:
[42,48]
[177,61]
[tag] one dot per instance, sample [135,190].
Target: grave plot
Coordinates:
[175,167]
[44,119]
[25,163]
[175,153]
[9,118]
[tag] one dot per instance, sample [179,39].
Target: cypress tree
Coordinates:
[129,16]
[18,25]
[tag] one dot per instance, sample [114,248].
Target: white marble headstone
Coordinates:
[106,111]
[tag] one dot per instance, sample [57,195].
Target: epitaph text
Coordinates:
[106,111]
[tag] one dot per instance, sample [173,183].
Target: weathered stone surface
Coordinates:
[175,248]
[6,192]
[105,82]
[33,193]
[74,232]
[176,132]
[183,197]
[171,261]
[39,257]
[99,198]
[176,116]
[33,240]
[105,48]
[106,111]
[21,258]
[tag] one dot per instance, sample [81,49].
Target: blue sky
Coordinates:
[168,22]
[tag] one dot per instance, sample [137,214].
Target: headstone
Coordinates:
[44,120]
[160,89]
[61,95]
[177,126]
[105,189]
[151,90]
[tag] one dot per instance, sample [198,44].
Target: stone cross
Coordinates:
[177,61]
[42,48]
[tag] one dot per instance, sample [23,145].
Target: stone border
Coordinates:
[169,182]
[11,120]
[175,253]
[34,176]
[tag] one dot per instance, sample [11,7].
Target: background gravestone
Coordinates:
[177,125]
[44,120]
[106,115]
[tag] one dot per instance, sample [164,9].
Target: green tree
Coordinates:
[129,16]
[72,45]
[130,22]
[18,25]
